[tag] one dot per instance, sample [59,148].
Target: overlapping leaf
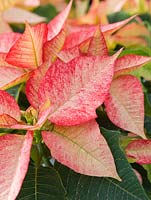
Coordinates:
[66,55]
[87,188]
[53,47]
[27,52]
[110,28]
[82,148]
[8,107]
[33,83]
[11,76]
[140,151]
[79,34]
[97,45]
[129,62]
[125,104]
[55,25]
[78,37]
[8,40]
[14,159]
[3,62]
[77,88]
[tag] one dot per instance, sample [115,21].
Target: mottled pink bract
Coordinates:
[55,25]
[27,52]
[140,150]
[82,148]
[77,88]
[8,106]
[125,104]
[14,160]
[129,62]
[8,40]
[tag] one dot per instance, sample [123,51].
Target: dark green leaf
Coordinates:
[18,27]
[146,17]
[80,187]
[42,184]
[148,169]
[22,101]
[148,126]
[147,104]
[117,16]
[48,11]
[14,91]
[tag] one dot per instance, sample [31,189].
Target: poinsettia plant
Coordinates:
[67,76]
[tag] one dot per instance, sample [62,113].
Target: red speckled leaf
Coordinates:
[128,63]
[110,28]
[33,84]
[82,33]
[82,148]
[140,150]
[8,106]
[66,55]
[97,45]
[53,47]
[125,104]
[7,41]
[55,25]
[27,51]
[77,88]
[76,38]
[14,160]
[11,76]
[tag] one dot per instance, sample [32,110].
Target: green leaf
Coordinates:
[22,101]
[145,51]
[42,184]
[144,72]
[147,104]
[148,169]
[15,91]
[147,180]
[117,16]
[80,187]
[148,126]
[48,11]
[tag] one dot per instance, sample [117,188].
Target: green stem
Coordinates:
[40,150]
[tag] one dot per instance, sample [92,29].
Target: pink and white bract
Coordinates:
[67,77]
